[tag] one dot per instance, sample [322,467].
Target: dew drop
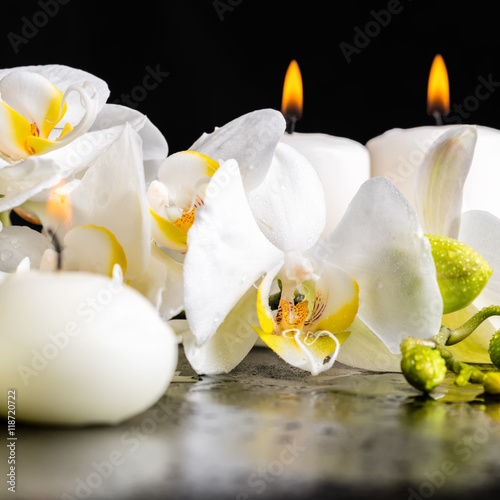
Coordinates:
[5,255]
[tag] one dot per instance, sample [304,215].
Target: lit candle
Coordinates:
[398,153]
[80,348]
[342,164]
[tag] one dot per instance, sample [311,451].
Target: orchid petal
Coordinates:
[249,139]
[151,283]
[363,349]
[227,253]
[289,205]
[338,295]
[19,242]
[71,132]
[35,98]
[264,313]
[34,175]
[112,194]
[380,243]
[163,283]
[96,249]
[31,178]
[185,173]
[232,341]
[481,231]
[441,179]
[154,144]
[15,130]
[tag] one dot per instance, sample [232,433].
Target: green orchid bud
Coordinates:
[494,349]
[423,366]
[491,382]
[461,272]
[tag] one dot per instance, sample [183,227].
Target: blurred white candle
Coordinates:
[342,164]
[398,153]
[81,348]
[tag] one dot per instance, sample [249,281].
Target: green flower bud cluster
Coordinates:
[425,363]
[423,366]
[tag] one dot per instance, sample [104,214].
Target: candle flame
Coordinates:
[438,90]
[292,101]
[59,209]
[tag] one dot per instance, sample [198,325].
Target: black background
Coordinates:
[228,57]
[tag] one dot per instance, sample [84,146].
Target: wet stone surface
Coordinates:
[269,431]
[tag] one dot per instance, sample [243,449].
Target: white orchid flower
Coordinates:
[378,246]
[54,123]
[109,226]
[439,194]
[112,226]
[184,179]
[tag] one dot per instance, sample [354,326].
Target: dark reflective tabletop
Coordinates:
[270,431]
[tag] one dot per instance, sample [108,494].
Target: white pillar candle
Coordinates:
[398,154]
[342,165]
[80,349]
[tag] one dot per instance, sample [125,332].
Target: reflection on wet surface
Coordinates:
[268,430]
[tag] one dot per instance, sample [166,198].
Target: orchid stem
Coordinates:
[462,332]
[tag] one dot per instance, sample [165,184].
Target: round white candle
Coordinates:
[342,165]
[80,349]
[398,154]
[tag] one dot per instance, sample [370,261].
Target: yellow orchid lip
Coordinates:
[307,332]
[29,119]
[175,197]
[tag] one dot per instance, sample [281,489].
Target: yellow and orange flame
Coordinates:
[438,90]
[292,100]
[59,210]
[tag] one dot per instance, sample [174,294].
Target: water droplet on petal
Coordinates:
[5,255]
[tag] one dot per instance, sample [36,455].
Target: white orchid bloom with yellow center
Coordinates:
[378,258]
[462,272]
[31,107]
[314,312]
[54,123]
[185,178]
[107,227]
